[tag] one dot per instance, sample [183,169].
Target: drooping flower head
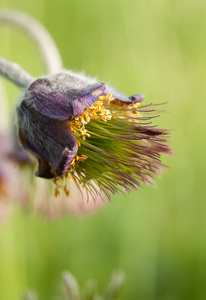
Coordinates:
[80,128]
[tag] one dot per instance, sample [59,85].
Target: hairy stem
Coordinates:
[40,36]
[15,74]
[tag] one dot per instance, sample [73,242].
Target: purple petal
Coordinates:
[44,169]
[137,98]
[119,96]
[51,141]
[57,102]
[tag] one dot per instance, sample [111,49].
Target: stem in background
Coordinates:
[15,74]
[41,37]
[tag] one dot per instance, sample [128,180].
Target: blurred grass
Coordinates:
[158,236]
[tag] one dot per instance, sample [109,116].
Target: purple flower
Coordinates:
[43,128]
[77,127]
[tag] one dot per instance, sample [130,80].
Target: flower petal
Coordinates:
[44,169]
[54,100]
[136,98]
[51,141]
[119,96]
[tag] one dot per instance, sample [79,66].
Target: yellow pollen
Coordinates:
[98,102]
[73,163]
[94,112]
[75,178]
[109,97]
[67,192]
[101,98]
[56,192]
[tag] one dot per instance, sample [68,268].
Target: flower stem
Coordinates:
[15,74]
[41,37]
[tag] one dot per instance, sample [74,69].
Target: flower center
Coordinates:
[95,112]
[106,108]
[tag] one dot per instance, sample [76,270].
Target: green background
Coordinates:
[157,236]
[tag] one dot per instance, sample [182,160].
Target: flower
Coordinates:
[18,185]
[83,129]
[43,126]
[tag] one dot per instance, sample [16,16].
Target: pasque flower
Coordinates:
[80,128]
[18,185]
[83,130]
[43,116]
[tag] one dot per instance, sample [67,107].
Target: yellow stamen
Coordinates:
[67,192]
[73,163]
[98,102]
[109,97]
[75,178]
[56,192]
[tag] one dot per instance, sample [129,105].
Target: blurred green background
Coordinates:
[157,236]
